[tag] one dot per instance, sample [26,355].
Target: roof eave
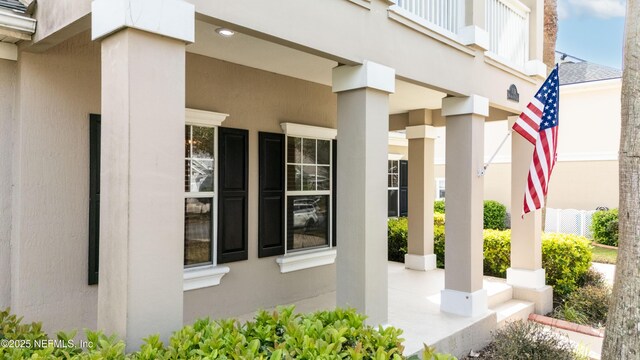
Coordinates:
[17,23]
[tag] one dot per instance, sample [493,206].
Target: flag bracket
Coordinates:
[483,171]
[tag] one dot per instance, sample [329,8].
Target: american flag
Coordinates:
[538,123]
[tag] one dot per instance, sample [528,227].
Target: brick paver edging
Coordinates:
[566,325]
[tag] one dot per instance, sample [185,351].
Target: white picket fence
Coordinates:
[569,221]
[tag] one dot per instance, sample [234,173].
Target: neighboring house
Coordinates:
[586,174]
[162,161]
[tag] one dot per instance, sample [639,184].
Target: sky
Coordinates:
[592,30]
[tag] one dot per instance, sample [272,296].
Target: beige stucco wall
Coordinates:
[60,88]
[7,88]
[258,101]
[57,91]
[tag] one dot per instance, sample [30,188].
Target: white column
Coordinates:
[420,255]
[363,125]
[526,274]
[142,209]
[463,293]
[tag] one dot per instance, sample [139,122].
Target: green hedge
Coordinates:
[565,257]
[494,215]
[604,227]
[397,238]
[438,206]
[281,335]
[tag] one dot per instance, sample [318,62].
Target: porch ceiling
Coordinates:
[264,55]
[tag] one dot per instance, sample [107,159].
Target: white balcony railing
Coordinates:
[508,27]
[446,14]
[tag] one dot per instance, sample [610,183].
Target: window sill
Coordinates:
[300,261]
[202,277]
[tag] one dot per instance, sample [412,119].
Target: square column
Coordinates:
[363,126]
[463,293]
[526,274]
[420,255]
[142,173]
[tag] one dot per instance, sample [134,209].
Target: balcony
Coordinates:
[506,22]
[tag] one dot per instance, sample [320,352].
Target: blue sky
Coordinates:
[592,30]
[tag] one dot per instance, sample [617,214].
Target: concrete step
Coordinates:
[497,292]
[513,310]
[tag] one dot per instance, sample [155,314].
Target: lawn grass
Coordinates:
[604,255]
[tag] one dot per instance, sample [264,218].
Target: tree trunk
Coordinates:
[622,336]
[549,56]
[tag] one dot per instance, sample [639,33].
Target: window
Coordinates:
[440,189]
[394,187]
[201,199]
[199,203]
[308,193]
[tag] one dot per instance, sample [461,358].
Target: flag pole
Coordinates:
[484,169]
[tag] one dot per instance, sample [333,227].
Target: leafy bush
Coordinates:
[589,303]
[495,215]
[566,258]
[397,229]
[438,219]
[604,227]
[280,335]
[529,340]
[438,206]
[497,252]
[438,245]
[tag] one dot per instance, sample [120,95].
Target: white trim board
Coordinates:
[308,131]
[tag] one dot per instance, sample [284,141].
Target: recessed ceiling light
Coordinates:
[225,32]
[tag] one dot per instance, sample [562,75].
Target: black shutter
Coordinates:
[334,187]
[271,203]
[233,186]
[404,187]
[94,197]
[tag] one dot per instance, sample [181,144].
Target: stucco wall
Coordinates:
[57,91]
[7,88]
[258,101]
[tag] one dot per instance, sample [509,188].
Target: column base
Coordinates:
[542,298]
[524,278]
[464,303]
[420,262]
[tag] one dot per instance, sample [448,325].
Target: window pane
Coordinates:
[322,178]
[390,166]
[187,175]
[187,141]
[201,175]
[393,178]
[393,203]
[294,177]
[309,151]
[197,231]
[203,138]
[324,152]
[307,221]
[309,178]
[294,150]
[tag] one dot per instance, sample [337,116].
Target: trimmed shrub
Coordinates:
[529,340]
[438,245]
[438,219]
[438,206]
[495,215]
[497,252]
[397,229]
[278,335]
[566,258]
[604,227]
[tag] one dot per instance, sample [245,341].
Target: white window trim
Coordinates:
[397,188]
[322,255]
[206,275]
[307,259]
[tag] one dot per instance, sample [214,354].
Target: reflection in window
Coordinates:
[440,189]
[393,176]
[199,168]
[308,192]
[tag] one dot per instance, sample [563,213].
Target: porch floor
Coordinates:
[414,307]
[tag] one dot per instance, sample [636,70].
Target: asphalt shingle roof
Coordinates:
[12,5]
[579,72]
